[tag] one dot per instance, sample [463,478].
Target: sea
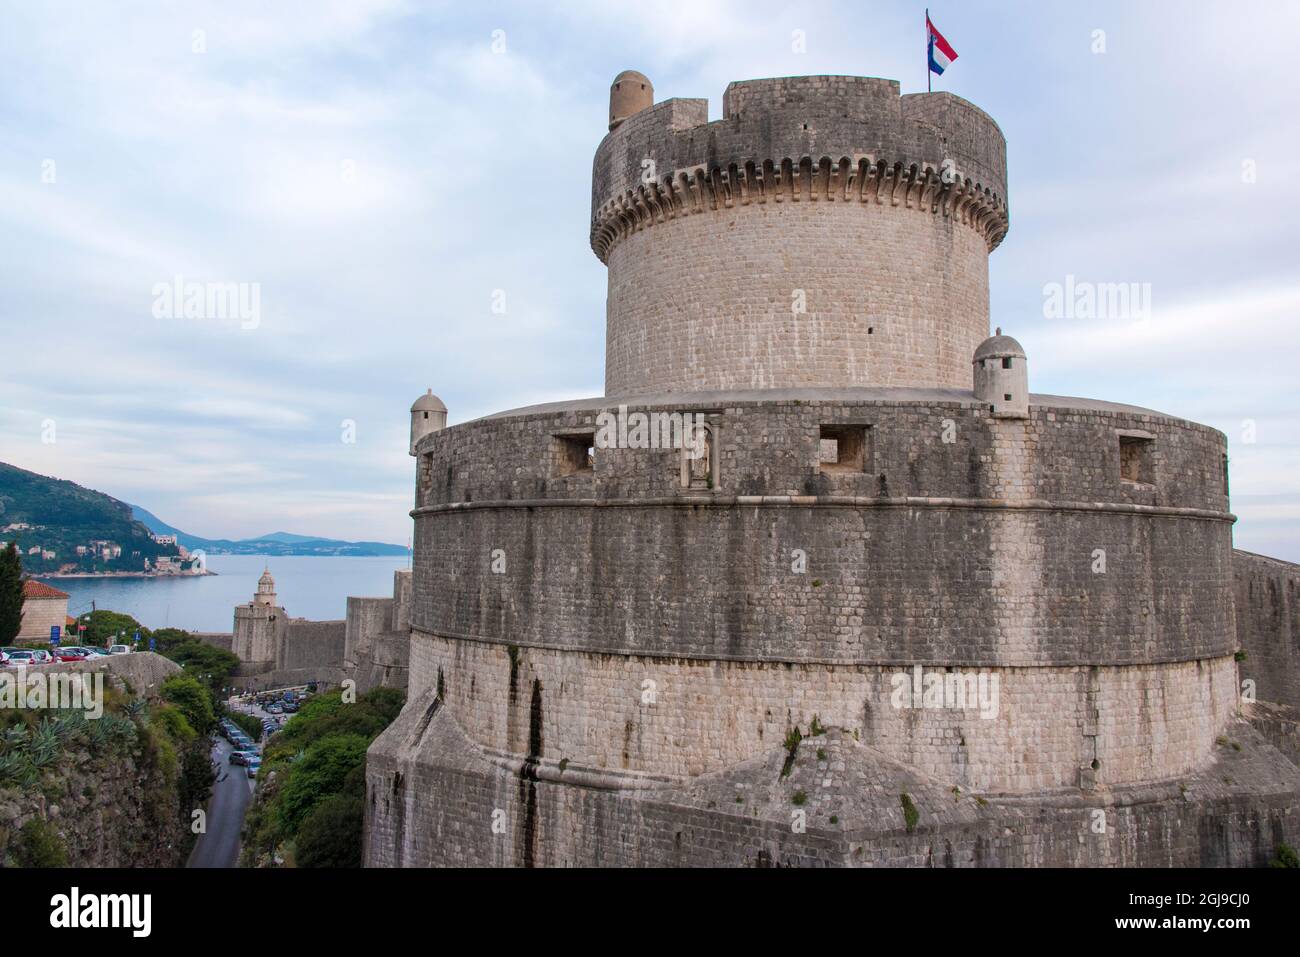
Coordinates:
[308,586]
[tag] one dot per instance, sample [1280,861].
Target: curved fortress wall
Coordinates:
[978,553]
[825,232]
[615,648]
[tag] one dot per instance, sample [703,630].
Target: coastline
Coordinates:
[68,575]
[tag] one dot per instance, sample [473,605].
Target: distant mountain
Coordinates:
[55,517]
[276,543]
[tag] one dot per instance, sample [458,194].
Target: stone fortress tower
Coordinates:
[257,624]
[890,609]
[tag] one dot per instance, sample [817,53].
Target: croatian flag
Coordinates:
[941,51]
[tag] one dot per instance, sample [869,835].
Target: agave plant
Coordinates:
[120,728]
[99,733]
[63,726]
[45,737]
[11,768]
[14,739]
[136,708]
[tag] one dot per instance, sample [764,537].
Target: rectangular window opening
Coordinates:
[574,454]
[1136,459]
[845,448]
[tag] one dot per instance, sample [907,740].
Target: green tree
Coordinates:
[103,628]
[319,774]
[209,664]
[11,594]
[193,700]
[330,836]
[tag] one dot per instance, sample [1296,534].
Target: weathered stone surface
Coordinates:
[621,656]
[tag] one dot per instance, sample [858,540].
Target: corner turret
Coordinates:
[428,415]
[1001,373]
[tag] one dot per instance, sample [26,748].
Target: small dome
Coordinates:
[266,578]
[999,346]
[631,76]
[428,403]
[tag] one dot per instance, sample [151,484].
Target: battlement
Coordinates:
[802,138]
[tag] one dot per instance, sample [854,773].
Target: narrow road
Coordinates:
[231,792]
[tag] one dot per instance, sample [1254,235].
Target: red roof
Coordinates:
[35,589]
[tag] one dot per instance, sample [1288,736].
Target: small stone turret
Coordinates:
[630,93]
[428,414]
[1002,376]
[265,590]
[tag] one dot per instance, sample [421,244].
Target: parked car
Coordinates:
[95,651]
[69,654]
[29,656]
[119,649]
[275,708]
[243,757]
[289,707]
[253,767]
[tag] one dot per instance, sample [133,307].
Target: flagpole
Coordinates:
[927,51]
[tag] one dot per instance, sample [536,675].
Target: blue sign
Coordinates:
[55,633]
[153,643]
[137,637]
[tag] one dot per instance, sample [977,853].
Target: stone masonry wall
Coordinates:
[436,799]
[980,550]
[1268,625]
[680,718]
[39,615]
[874,309]
[924,443]
[310,644]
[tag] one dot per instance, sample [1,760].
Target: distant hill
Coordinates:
[62,515]
[276,543]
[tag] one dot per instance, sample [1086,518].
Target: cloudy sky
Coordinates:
[379,168]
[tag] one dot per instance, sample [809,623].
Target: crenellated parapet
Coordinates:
[793,139]
[865,179]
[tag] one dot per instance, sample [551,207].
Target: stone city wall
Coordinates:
[310,644]
[1268,625]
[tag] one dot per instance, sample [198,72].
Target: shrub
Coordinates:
[250,724]
[173,722]
[1286,857]
[319,774]
[330,836]
[910,814]
[193,699]
[40,845]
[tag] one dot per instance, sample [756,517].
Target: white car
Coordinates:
[35,657]
[119,649]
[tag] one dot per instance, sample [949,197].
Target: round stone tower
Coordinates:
[1009,611]
[827,231]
